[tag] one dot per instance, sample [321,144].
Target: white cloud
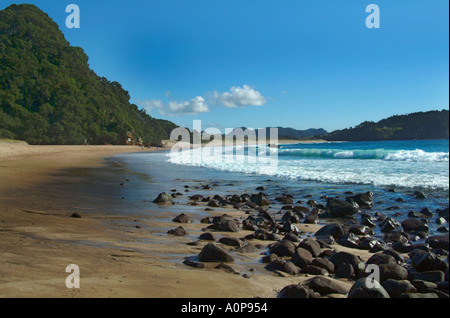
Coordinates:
[196,105]
[235,97]
[150,105]
[238,97]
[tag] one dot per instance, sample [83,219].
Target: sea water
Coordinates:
[416,164]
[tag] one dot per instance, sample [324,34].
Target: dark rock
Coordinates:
[345,270]
[324,263]
[179,231]
[292,237]
[227,268]
[214,203]
[231,241]
[312,246]
[260,200]
[423,286]
[414,225]
[365,288]
[424,262]
[381,258]
[282,248]
[396,255]
[193,264]
[388,225]
[298,291]
[396,237]
[76,215]
[392,271]
[228,226]
[344,257]
[269,258]
[315,270]
[364,200]
[349,240]
[290,216]
[163,198]
[431,276]
[249,225]
[442,229]
[335,230]
[325,286]
[207,237]
[264,235]
[402,247]
[284,266]
[340,208]
[302,257]
[368,243]
[367,221]
[420,195]
[213,253]
[311,219]
[395,288]
[360,230]
[247,248]
[182,218]
[206,220]
[300,209]
[438,241]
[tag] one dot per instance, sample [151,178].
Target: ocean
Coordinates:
[418,164]
[392,170]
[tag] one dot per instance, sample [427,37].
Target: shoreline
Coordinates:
[120,255]
[38,240]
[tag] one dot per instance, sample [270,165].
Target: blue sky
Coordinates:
[256,63]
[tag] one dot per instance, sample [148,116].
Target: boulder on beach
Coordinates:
[282,248]
[213,253]
[231,241]
[163,198]
[334,230]
[364,200]
[312,246]
[284,266]
[395,288]
[343,257]
[298,291]
[179,231]
[367,288]
[228,226]
[207,236]
[414,225]
[260,199]
[325,286]
[182,218]
[324,263]
[392,271]
[302,257]
[438,241]
[339,208]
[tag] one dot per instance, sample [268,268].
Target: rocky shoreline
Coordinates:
[408,261]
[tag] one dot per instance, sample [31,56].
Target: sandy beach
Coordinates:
[38,239]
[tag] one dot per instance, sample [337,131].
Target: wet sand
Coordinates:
[38,238]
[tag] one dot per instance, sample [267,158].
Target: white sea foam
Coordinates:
[403,168]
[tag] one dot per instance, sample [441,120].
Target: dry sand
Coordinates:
[38,239]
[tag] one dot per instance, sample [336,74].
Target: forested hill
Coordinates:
[421,125]
[49,95]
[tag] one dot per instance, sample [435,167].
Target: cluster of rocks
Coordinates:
[406,268]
